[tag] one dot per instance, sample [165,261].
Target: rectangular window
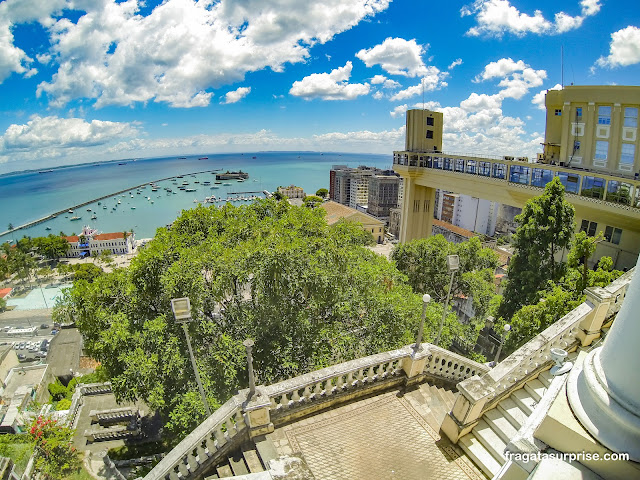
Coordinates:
[592,187]
[499,170]
[613,235]
[558,112]
[485,169]
[429,133]
[471,166]
[589,227]
[627,154]
[541,177]
[619,192]
[602,150]
[578,112]
[604,115]
[430,121]
[630,117]
[459,165]
[518,174]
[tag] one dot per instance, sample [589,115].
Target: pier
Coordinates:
[74,207]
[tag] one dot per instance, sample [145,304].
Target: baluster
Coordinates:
[240,424]
[360,375]
[307,392]
[350,379]
[371,374]
[220,436]
[340,382]
[390,368]
[328,386]
[210,446]
[231,427]
[183,472]
[317,390]
[284,401]
[295,397]
[274,405]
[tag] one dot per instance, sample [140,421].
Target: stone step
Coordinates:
[524,400]
[212,477]
[512,412]
[545,377]
[237,464]
[500,424]
[224,471]
[480,456]
[535,388]
[266,450]
[490,440]
[252,460]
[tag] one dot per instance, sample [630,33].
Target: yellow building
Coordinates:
[591,145]
[337,212]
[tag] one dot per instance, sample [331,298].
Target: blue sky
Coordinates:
[91,80]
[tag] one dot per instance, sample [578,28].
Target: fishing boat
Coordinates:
[73,219]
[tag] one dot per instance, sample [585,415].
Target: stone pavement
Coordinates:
[382,437]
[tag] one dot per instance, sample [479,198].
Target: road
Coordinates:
[25,319]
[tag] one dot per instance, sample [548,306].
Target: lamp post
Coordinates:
[507,329]
[426,298]
[181,308]
[248,343]
[453,264]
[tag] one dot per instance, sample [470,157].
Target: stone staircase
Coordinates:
[485,444]
[250,458]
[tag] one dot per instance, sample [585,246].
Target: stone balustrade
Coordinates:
[276,404]
[579,328]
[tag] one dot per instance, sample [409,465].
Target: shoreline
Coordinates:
[55,214]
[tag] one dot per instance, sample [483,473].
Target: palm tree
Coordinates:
[10,226]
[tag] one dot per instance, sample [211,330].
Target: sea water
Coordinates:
[28,196]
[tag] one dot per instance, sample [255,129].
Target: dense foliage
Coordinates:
[55,454]
[545,228]
[309,294]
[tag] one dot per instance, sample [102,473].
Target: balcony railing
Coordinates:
[618,191]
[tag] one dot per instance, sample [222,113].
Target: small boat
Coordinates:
[122,163]
[152,201]
[226,184]
[113,208]
[182,158]
[93,217]
[48,228]
[254,157]
[45,171]
[133,208]
[99,203]
[218,183]
[104,207]
[190,190]
[119,202]
[73,219]
[70,211]
[88,209]
[131,196]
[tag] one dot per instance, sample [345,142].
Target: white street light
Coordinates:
[181,308]
[453,265]
[426,298]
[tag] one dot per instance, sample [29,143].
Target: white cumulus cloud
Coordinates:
[497,17]
[538,98]
[236,95]
[624,48]
[396,56]
[454,64]
[179,52]
[330,86]
[517,78]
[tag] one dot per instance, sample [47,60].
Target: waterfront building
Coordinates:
[591,145]
[350,186]
[336,212]
[92,243]
[292,191]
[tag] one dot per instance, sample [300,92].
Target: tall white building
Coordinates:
[471,213]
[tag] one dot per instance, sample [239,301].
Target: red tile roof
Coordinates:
[101,236]
[452,228]
[5,291]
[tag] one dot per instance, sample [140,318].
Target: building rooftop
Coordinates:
[336,211]
[458,230]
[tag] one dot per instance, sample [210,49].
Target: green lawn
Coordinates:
[18,451]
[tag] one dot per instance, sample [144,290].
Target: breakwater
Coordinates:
[88,202]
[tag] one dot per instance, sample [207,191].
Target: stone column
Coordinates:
[417,210]
[604,392]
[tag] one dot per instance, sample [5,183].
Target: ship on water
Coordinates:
[232,175]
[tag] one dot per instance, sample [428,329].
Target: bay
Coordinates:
[28,196]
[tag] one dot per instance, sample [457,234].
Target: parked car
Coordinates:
[22,345]
[40,355]
[54,331]
[22,357]
[44,325]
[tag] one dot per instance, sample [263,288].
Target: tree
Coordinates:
[545,228]
[312,201]
[424,261]
[583,248]
[51,247]
[10,226]
[55,455]
[322,192]
[309,295]
[278,196]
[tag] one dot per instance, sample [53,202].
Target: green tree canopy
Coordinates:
[309,295]
[545,228]
[322,192]
[52,246]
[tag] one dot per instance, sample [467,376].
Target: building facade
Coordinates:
[292,191]
[383,195]
[92,243]
[599,172]
[350,186]
[470,213]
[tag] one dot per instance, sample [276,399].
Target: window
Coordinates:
[619,192]
[558,112]
[499,170]
[612,235]
[541,177]
[578,112]
[592,187]
[627,154]
[630,117]
[429,133]
[485,169]
[430,121]
[589,227]
[518,174]
[604,115]
[602,149]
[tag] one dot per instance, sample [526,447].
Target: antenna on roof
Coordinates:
[562,65]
